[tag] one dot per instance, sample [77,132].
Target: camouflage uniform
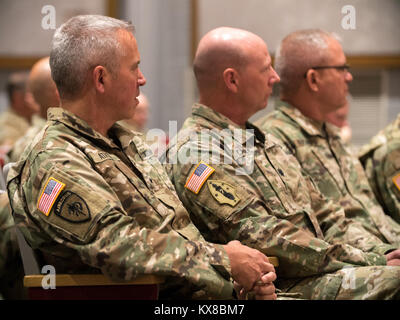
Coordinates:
[118,212]
[381,161]
[129,126]
[272,207]
[338,175]
[11,268]
[12,127]
[19,146]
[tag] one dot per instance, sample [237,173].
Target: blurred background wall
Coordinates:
[168,32]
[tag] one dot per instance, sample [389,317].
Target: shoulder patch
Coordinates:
[223,192]
[198,177]
[49,195]
[396,181]
[72,208]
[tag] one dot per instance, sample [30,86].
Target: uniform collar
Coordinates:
[79,125]
[222,122]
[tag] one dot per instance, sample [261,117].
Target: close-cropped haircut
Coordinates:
[298,52]
[80,44]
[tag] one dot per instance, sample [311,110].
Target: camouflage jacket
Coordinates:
[19,146]
[88,203]
[337,173]
[255,192]
[381,161]
[12,127]
[11,268]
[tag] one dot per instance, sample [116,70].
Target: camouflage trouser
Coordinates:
[360,283]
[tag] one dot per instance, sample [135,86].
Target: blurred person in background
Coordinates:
[339,118]
[16,120]
[45,93]
[138,122]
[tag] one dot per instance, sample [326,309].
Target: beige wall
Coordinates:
[163,33]
[21,32]
[377,21]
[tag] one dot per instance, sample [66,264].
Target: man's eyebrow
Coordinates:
[136,64]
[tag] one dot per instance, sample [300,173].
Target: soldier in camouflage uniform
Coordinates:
[244,184]
[90,196]
[11,268]
[16,120]
[45,93]
[300,123]
[381,161]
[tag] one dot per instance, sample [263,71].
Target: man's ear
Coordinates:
[231,79]
[99,75]
[312,79]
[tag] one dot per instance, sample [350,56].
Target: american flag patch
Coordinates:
[49,195]
[396,181]
[198,177]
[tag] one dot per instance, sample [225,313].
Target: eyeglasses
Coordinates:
[344,67]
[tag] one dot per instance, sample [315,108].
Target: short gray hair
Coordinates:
[80,44]
[298,52]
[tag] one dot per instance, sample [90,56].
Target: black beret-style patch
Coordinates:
[72,208]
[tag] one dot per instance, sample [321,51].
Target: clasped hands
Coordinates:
[251,271]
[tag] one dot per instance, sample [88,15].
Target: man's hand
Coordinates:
[248,265]
[264,288]
[393,258]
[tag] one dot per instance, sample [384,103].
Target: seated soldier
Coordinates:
[381,161]
[312,88]
[242,184]
[45,93]
[90,197]
[16,120]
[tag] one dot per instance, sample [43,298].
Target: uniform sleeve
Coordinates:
[8,241]
[331,216]
[386,169]
[339,229]
[231,207]
[69,203]
[11,268]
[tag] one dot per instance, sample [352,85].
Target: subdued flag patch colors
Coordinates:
[49,195]
[223,192]
[198,177]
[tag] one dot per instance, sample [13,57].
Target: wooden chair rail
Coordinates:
[67,280]
[93,287]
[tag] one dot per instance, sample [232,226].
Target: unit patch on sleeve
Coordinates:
[396,181]
[198,177]
[49,195]
[223,192]
[72,208]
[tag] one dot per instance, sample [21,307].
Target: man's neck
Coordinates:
[307,107]
[88,111]
[229,110]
